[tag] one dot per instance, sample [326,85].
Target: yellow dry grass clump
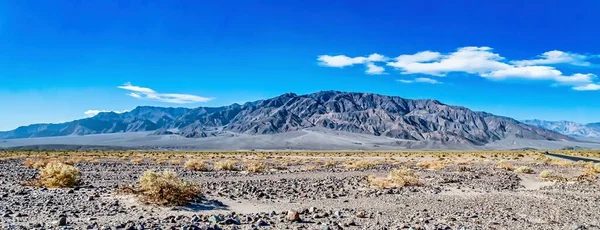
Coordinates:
[226,165]
[524,170]
[165,188]
[137,160]
[433,165]
[38,163]
[255,166]
[505,165]
[361,164]
[197,165]
[546,174]
[330,163]
[58,175]
[398,178]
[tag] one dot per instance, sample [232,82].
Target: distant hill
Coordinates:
[569,128]
[363,113]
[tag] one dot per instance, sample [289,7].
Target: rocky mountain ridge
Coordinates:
[365,113]
[569,128]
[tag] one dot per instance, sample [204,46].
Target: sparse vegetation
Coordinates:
[524,170]
[546,174]
[505,165]
[398,178]
[197,165]
[226,165]
[361,164]
[163,188]
[432,165]
[58,175]
[255,166]
[137,160]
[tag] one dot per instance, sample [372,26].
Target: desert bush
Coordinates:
[433,165]
[524,170]
[196,165]
[330,163]
[255,166]
[226,165]
[137,160]
[398,178]
[37,163]
[464,168]
[58,175]
[308,168]
[361,164]
[165,188]
[597,168]
[505,165]
[546,174]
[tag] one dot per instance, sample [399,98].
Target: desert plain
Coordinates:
[523,189]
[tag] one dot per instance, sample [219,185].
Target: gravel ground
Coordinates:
[478,197]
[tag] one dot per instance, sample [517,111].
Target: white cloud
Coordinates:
[588,87]
[405,81]
[421,80]
[93,112]
[147,93]
[374,69]
[375,57]
[556,57]
[340,61]
[481,61]
[473,60]
[427,80]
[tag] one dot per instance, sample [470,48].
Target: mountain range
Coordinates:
[591,130]
[363,113]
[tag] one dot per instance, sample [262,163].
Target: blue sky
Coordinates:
[524,59]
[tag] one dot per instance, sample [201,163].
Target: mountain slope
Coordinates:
[568,128]
[364,113]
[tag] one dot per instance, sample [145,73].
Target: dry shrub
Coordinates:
[137,160]
[58,175]
[362,164]
[505,165]
[524,170]
[255,166]
[464,168]
[546,174]
[164,188]
[38,163]
[433,165]
[197,165]
[398,178]
[330,163]
[226,165]
[597,168]
[175,161]
[308,168]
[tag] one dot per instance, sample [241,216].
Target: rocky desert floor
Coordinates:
[456,190]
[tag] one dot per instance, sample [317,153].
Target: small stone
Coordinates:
[261,222]
[214,219]
[62,221]
[576,226]
[293,216]
[361,214]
